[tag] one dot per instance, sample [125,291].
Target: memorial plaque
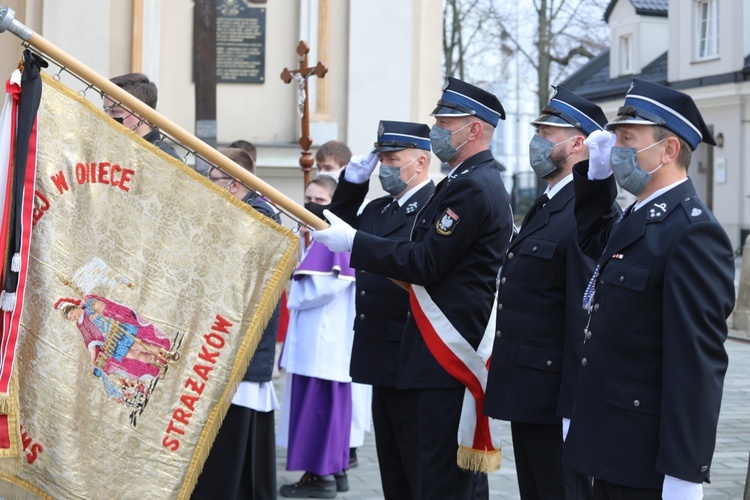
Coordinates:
[240,42]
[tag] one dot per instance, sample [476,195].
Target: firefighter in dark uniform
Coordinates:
[382,306]
[653,364]
[533,311]
[457,247]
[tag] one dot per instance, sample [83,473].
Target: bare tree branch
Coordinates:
[576,51]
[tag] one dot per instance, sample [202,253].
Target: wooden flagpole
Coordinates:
[9,23]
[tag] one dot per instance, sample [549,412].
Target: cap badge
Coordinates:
[445,85]
[381,130]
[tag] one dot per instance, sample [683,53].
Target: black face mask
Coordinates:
[118,119]
[317,209]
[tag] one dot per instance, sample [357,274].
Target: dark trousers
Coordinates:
[538,453]
[577,486]
[440,477]
[242,461]
[604,490]
[396,423]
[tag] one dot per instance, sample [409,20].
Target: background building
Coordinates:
[701,47]
[382,56]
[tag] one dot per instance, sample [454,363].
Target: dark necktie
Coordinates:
[391,209]
[535,208]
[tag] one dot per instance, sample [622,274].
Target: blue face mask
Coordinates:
[628,174]
[390,178]
[540,152]
[440,139]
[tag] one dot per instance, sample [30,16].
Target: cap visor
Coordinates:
[628,120]
[387,149]
[444,111]
[550,120]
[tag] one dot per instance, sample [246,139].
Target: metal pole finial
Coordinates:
[8,22]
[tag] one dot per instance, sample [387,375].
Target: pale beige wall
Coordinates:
[683,64]
[10,45]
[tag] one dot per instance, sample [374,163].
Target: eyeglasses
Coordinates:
[208,176]
[116,111]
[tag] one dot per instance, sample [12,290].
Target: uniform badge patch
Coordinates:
[447,222]
[411,207]
[696,212]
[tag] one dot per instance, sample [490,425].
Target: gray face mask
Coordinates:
[540,152]
[628,174]
[440,140]
[390,178]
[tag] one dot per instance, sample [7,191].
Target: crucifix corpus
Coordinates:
[301,76]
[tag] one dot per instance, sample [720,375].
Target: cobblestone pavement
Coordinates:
[727,472]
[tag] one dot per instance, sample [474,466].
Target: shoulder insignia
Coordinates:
[412,207]
[694,210]
[447,222]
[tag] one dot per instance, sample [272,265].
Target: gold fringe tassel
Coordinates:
[11,458]
[479,460]
[274,288]
[5,403]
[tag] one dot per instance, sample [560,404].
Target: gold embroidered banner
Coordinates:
[148,289]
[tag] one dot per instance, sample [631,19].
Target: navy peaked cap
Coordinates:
[464,99]
[648,103]
[566,109]
[395,136]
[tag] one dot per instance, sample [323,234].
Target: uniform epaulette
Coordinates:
[694,210]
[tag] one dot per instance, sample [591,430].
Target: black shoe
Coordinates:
[310,486]
[353,462]
[342,481]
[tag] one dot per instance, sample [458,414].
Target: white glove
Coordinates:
[360,168]
[600,144]
[339,237]
[679,489]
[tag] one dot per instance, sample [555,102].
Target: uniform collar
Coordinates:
[558,187]
[401,201]
[657,193]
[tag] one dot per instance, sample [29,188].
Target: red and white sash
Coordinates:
[479,447]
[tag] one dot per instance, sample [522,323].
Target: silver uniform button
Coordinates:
[502,280]
[499,307]
[596,307]
[510,255]
[704,468]
[549,362]
[497,334]
[533,249]
[362,316]
[583,362]
[622,279]
[636,403]
[362,293]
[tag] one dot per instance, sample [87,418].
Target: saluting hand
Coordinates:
[339,237]
[600,144]
[360,168]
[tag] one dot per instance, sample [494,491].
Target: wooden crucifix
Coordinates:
[301,76]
